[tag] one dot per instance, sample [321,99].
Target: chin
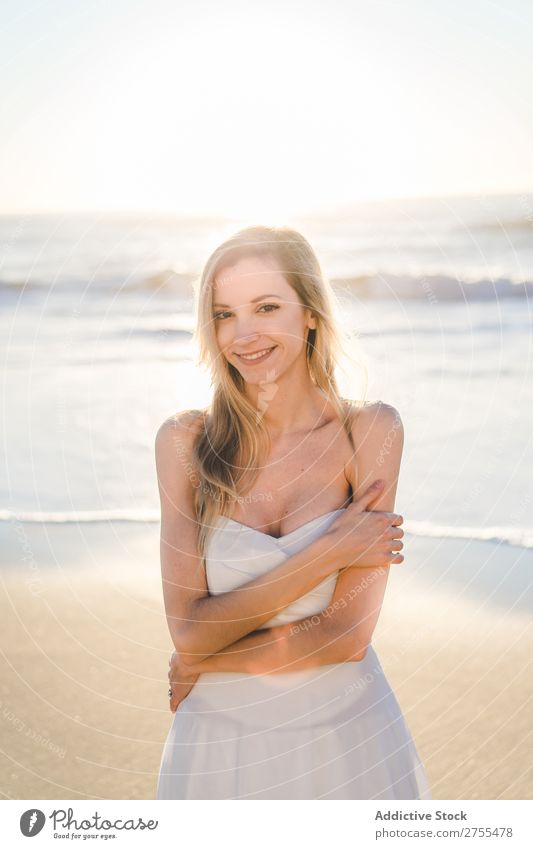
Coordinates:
[262,379]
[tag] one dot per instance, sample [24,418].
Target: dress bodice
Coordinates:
[237,554]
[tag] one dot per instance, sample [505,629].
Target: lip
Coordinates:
[259,359]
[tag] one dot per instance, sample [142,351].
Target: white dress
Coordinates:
[332,732]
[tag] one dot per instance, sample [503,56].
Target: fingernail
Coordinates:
[377,483]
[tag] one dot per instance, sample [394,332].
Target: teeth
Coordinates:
[254,356]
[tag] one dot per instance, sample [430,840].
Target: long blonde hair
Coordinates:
[232,427]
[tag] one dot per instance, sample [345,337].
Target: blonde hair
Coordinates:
[232,427]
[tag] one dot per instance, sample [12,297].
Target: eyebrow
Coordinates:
[253,301]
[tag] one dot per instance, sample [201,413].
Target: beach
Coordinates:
[96,320]
[316,206]
[84,664]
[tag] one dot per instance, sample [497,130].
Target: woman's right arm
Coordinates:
[200,624]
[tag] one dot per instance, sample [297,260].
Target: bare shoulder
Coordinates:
[378,436]
[174,442]
[181,429]
[376,419]
[371,418]
[176,477]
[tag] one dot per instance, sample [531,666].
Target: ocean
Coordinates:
[96,315]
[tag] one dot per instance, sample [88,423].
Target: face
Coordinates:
[256,312]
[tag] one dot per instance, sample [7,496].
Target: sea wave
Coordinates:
[521,537]
[68,517]
[433,288]
[380,285]
[509,535]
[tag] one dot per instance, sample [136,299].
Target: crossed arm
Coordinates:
[343,631]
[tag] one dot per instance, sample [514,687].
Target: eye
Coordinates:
[221,314]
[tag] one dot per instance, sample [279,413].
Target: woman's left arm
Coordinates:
[379,435]
[303,644]
[343,631]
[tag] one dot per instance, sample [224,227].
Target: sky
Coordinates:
[269,108]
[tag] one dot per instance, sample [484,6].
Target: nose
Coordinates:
[245,332]
[241,340]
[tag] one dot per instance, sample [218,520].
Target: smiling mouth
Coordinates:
[257,356]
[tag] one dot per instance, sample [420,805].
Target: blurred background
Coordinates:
[135,136]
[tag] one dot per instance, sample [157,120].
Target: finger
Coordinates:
[393,543]
[393,519]
[396,519]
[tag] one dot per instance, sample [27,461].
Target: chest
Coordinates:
[302,478]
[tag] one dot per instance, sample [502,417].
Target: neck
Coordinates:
[288,404]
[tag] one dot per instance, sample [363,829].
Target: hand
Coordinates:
[362,537]
[181,680]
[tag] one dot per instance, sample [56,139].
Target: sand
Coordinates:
[83,695]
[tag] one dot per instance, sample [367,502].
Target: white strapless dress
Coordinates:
[332,732]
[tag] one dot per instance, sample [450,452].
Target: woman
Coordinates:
[277,534]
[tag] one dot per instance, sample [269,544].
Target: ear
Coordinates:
[311,321]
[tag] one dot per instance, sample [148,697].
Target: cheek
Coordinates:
[223,335]
[291,333]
